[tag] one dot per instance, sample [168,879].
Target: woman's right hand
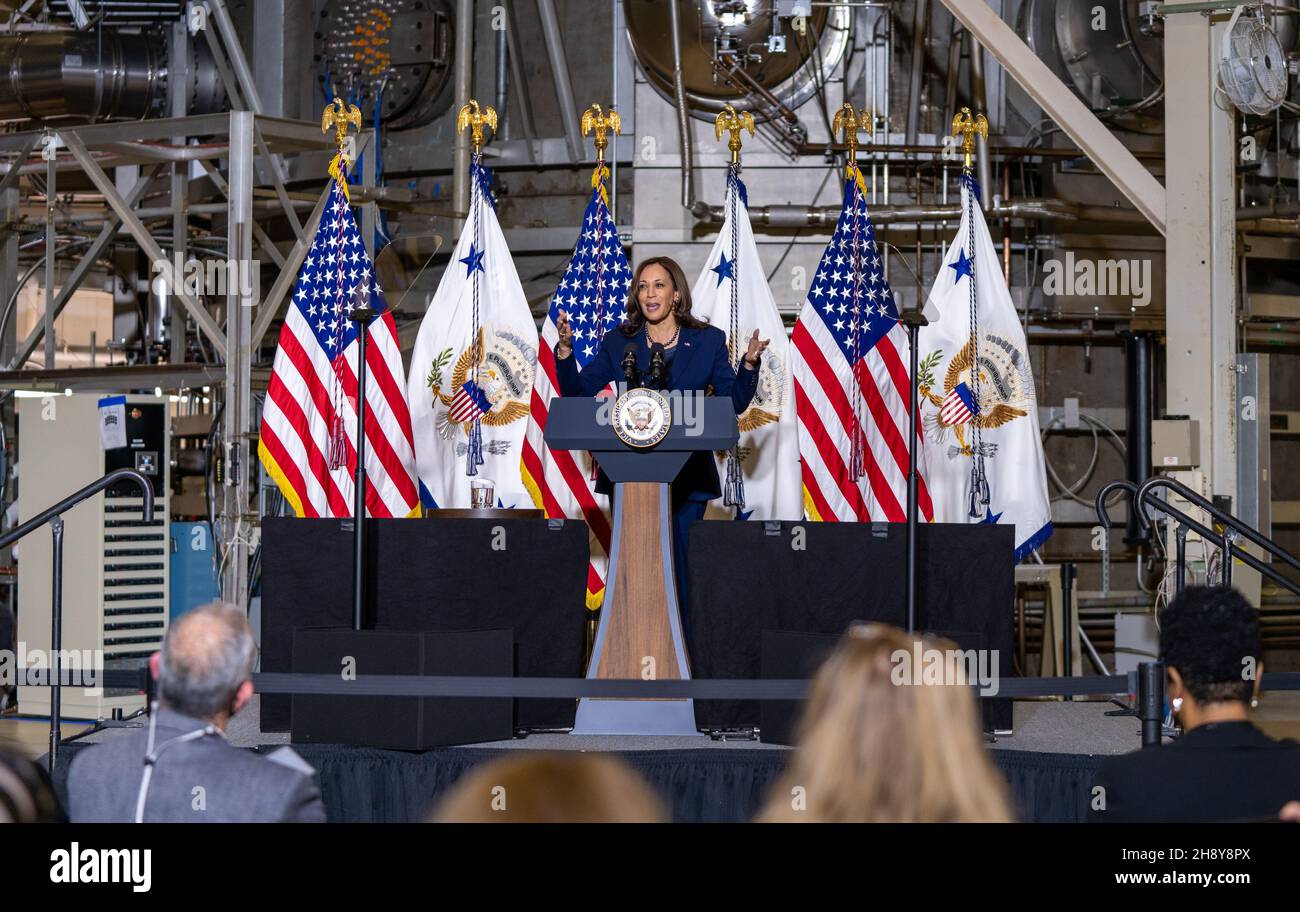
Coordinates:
[564,347]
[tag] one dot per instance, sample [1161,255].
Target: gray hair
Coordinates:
[208,654]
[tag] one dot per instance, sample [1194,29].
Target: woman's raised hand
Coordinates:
[756,347]
[564,347]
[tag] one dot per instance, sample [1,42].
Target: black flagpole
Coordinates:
[361,316]
[914,320]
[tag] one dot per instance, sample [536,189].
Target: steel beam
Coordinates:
[1200,254]
[237,416]
[180,64]
[10,178]
[87,263]
[230,38]
[141,234]
[8,263]
[277,179]
[270,307]
[51,247]
[560,72]
[223,67]
[259,232]
[1060,103]
[95,135]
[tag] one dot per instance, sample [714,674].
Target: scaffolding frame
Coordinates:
[249,145]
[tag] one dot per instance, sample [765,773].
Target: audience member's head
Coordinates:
[545,787]
[26,795]
[206,664]
[874,749]
[1210,643]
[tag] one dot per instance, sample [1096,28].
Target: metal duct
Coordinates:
[80,76]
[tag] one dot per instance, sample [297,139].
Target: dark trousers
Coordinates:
[685,512]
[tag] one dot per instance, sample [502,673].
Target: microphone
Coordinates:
[630,372]
[658,369]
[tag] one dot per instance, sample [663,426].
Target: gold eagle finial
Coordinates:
[595,118]
[851,122]
[338,115]
[966,126]
[729,120]
[474,117]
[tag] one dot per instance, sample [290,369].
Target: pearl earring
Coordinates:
[1254,702]
[1177,703]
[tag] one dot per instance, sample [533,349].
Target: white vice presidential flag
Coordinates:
[732,294]
[984,458]
[472,369]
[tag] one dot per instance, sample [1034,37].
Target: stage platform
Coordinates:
[1049,763]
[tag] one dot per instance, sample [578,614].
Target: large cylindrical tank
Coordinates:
[1111,52]
[716,36]
[80,76]
[87,77]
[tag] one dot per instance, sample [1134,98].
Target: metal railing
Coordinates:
[1231,530]
[54,518]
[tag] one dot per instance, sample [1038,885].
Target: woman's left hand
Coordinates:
[756,348]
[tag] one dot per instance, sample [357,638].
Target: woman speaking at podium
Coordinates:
[695,360]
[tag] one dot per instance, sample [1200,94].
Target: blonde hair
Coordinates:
[874,751]
[551,787]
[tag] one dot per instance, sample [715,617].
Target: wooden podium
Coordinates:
[640,633]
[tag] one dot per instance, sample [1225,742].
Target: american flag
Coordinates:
[308,430]
[593,292]
[851,383]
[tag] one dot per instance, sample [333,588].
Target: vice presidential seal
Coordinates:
[641,417]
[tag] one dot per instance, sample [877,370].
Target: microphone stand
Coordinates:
[913,320]
[361,316]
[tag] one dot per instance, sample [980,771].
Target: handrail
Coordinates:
[72,500]
[1144,497]
[1226,519]
[54,518]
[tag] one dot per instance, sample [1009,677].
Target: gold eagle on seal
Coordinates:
[1006,390]
[504,374]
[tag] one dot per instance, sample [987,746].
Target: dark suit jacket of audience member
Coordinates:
[1220,771]
[238,785]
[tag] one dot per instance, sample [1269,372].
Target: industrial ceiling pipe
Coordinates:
[1137,430]
[463,74]
[683,125]
[984,167]
[918,68]
[794,216]
[502,80]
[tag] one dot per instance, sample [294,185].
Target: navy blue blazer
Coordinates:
[700,361]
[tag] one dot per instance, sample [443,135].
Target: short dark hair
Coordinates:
[1208,633]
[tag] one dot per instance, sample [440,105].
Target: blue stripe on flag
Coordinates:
[1034,541]
[426,499]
